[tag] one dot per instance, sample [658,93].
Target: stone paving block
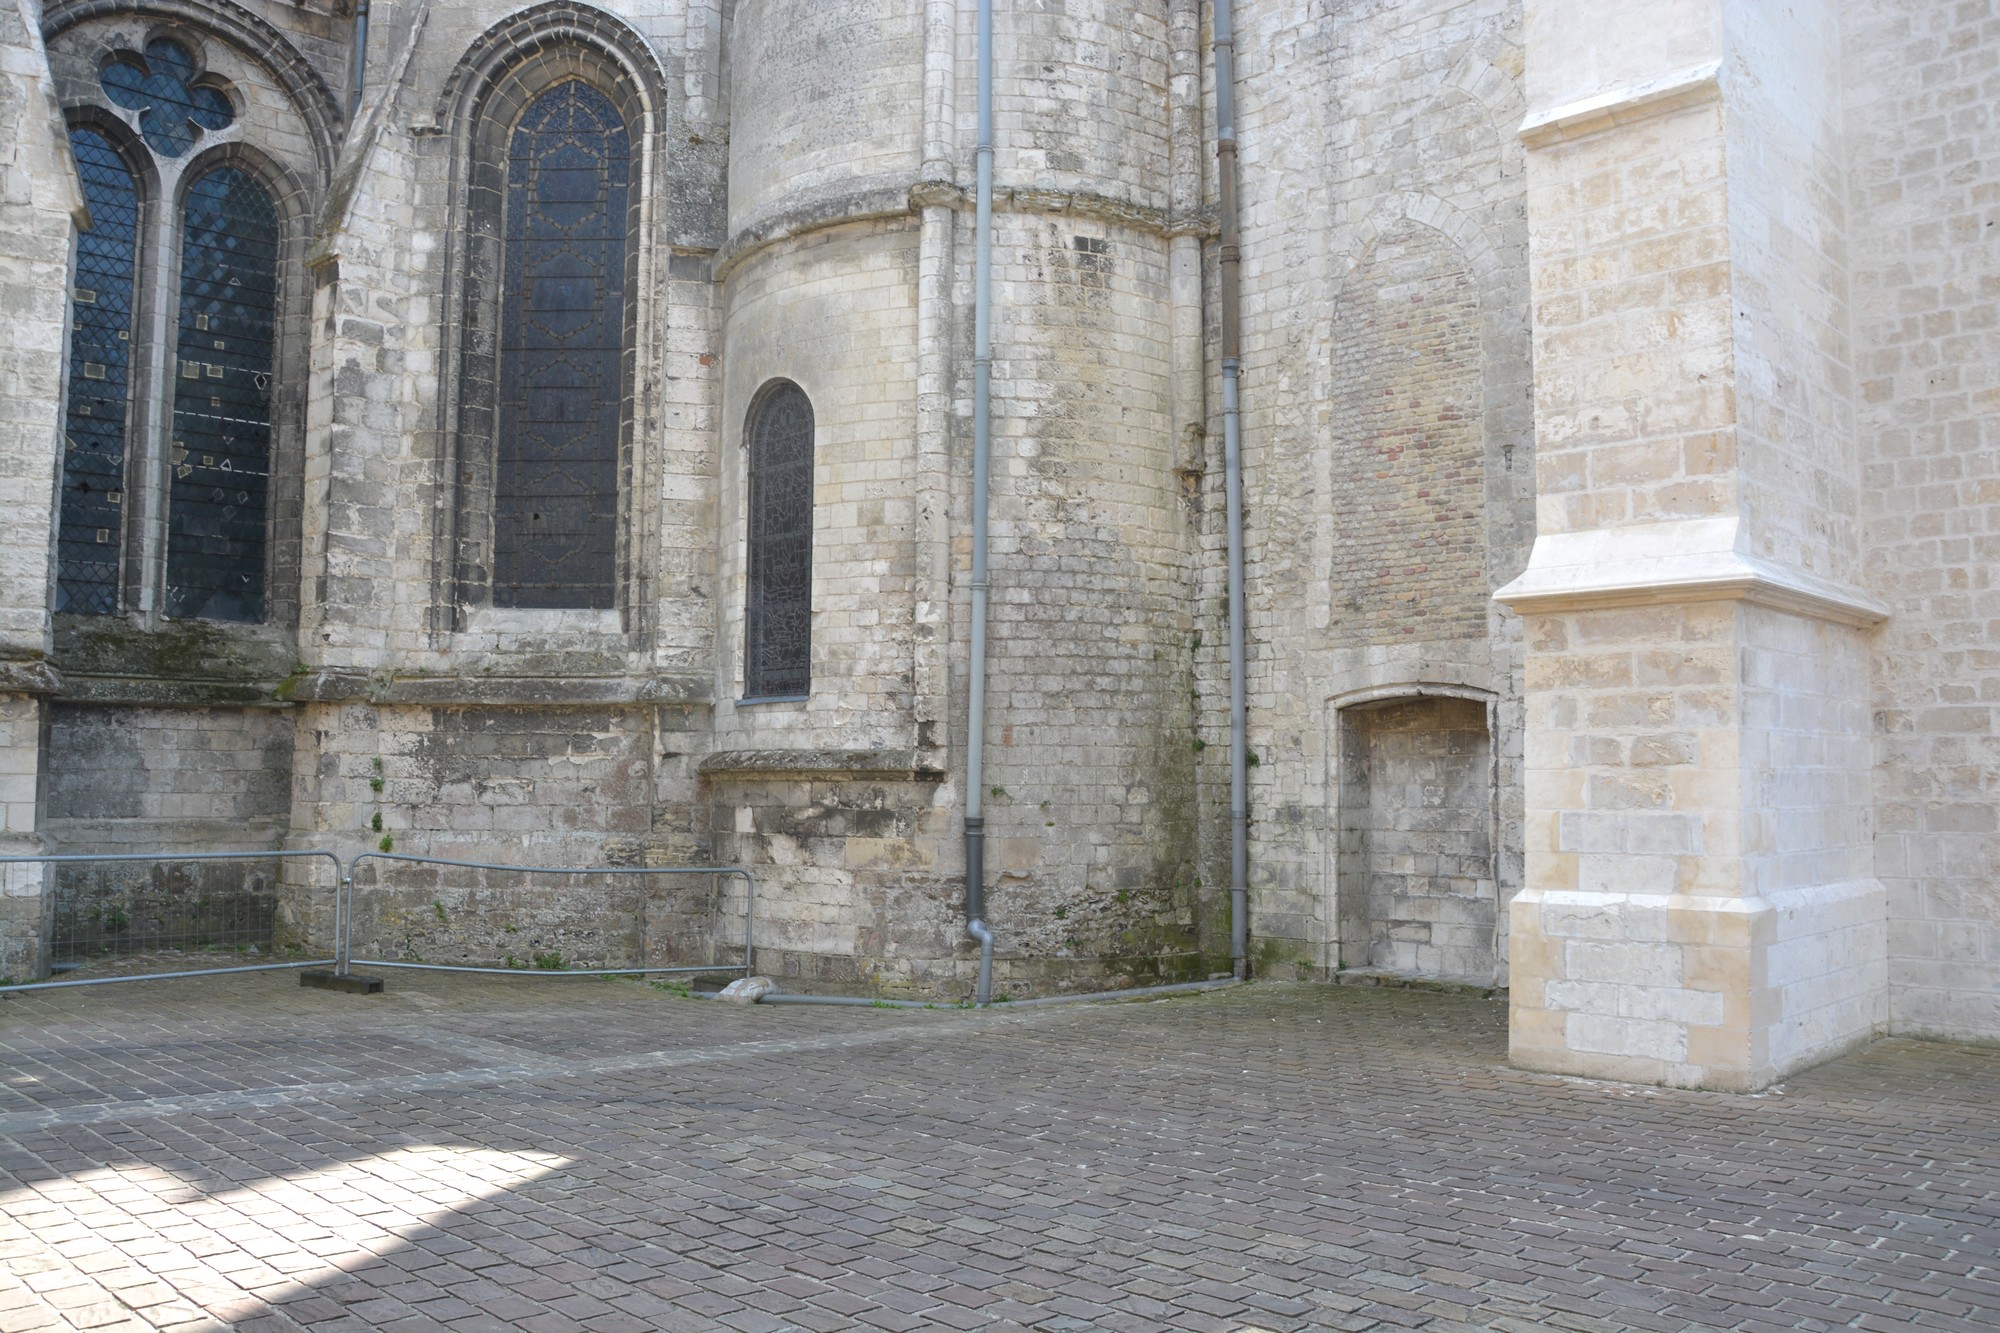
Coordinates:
[1319,1158]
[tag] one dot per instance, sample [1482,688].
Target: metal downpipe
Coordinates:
[982,440]
[1230,263]
[360,56]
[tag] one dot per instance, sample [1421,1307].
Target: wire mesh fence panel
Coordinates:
[132,915]
[187,908]
[152,914]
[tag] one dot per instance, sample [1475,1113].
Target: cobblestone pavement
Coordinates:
[548,1155]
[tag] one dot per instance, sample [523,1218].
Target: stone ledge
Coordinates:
[900,202]
[326,687]
[1623,106]
[1687,560]
[30,677]
[757,764]
[159,692]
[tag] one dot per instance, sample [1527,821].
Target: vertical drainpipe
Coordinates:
[360,56]
[1231,258]
[982,438]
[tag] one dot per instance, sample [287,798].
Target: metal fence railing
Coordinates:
[176,907]
[174,914]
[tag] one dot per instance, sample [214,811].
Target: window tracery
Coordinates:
[184,223]
[174,99]
[545,388]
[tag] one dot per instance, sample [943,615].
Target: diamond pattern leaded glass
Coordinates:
[777,613]
[163,87]
[100,360]
[562,339]
[221,450]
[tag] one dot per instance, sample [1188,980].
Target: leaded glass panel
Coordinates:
[92,522]
[562,339]
[777,613]
[221,448]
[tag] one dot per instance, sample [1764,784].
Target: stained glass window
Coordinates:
[100,361]
[221,446]
[562,339]
[777,612]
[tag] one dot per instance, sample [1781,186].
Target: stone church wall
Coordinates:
[1090,807]
[1765,305]
[1387,421]
[1922,93]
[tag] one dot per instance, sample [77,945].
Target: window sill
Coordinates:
[762,699]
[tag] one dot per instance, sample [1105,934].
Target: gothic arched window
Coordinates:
[92,521]
[561,353]
[221,453]
[777,606]
[181,284]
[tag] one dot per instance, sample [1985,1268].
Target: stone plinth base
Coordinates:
[353,983]
[26,898]
[1729,994]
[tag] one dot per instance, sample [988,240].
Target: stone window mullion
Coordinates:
[152,396]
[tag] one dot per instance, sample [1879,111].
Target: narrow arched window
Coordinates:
[91,534]
[561,353]
[221,444]
[777,611]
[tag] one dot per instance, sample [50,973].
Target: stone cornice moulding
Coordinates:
[324,687]
[1686,560]
[901,203]
[1623,106]
[757,765]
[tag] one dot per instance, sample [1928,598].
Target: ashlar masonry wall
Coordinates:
[1387,424]
[1923,120]
[432,721]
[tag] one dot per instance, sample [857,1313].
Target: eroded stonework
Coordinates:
[1620,446]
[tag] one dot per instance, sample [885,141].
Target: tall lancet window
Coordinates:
[221,451]
[561,377]
[91,535]
[777,610]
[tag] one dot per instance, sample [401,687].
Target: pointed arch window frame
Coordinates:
[780,520]
[156,345]
[89,408]
[472,407]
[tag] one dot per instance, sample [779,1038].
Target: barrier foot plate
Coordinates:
[353,983]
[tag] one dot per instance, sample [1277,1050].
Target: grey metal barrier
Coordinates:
[208,925]
[345,940]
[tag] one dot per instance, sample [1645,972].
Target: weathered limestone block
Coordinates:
[1701,907]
